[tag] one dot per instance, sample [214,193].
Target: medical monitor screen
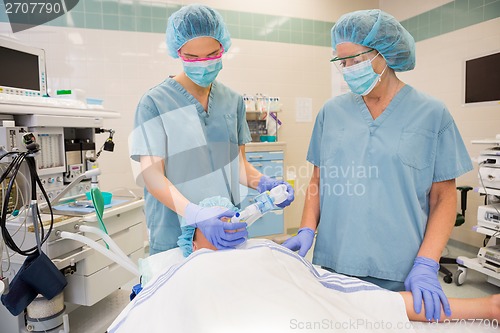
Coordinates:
[482,79]
[19,69]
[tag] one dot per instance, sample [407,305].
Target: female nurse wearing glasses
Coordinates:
[382,196]
[189,136]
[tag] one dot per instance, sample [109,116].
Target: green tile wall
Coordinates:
[452,16]
[126,15]
[152,17]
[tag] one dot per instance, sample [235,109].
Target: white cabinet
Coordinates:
[97,276]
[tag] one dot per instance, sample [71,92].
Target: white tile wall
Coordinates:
[120,66]
[325,10]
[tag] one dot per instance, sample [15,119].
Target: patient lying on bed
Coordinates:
[264,287]
[462,308]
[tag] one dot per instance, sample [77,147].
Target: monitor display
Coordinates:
[482,79]
[22,69]
[19,69]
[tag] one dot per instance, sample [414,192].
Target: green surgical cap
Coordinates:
[380,31]
[195,21]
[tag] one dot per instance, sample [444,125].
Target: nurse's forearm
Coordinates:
[249,176]
[166,193]
[310,215]
[442,216]
[463,308]
[160,187]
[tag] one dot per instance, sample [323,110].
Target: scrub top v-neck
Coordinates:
[200,149]
[375,179]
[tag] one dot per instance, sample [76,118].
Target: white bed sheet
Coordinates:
[263,288]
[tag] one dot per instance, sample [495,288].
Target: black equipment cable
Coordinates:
[11,171]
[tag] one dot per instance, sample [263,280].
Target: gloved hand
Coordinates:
[302,242]
[223,235]
[267,183]
[423,282]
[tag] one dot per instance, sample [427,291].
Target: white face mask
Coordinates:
[361,78]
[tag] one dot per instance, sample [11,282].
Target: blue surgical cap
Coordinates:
[185,240]
[195,21]
[380,31]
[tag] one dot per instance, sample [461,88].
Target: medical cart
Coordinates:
[488,218]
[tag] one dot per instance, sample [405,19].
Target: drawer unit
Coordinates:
[253,156]
[269,163]
[88,290]
[270,168]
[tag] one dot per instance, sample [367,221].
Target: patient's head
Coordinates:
[201,242]
[191,238]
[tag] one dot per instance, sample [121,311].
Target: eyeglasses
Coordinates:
[190,58]
[350,57]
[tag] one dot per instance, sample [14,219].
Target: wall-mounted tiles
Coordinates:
[148,16]
[452,16]
[277,28]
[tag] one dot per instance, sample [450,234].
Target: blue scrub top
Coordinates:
[200,149]
[375,180]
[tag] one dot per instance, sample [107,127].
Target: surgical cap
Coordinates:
[380,31]
[185,240]
[195,21]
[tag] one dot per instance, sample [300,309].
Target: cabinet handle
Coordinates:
[256,157]
[258,165]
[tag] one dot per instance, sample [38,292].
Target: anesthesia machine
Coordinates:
[61,245]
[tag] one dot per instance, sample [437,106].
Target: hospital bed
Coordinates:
[262,287]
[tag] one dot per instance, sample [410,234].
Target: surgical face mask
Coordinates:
[203,73]
[361,78]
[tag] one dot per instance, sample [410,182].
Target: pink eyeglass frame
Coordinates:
[202,59]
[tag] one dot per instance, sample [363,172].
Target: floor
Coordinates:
[97,318]
[475,284]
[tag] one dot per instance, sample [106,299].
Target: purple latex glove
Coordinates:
[223,235]
[267,183]
[423,283]
[302,242]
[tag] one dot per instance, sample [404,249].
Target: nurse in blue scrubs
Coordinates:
[189,136]
[382,196]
